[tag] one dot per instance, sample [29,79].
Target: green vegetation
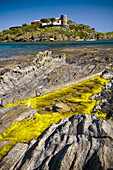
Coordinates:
[74,99]
[72,32]
[24,25]
[45,20]
[109,34]
[52,20]
[68,34]
[71,22]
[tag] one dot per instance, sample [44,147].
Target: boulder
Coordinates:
[60,107]
[79,142]
[107,74]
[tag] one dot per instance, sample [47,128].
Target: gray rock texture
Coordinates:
[46,72]
[76,143]
[41,74]
[106,99]
[29,79]
[13,114]
[82,142]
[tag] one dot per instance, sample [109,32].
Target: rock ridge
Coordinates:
[45,73]
[20,80]
[79,142]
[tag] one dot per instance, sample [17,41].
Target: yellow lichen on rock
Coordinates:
[76,97]
[82,90]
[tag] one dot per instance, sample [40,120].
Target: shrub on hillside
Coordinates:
[68,34]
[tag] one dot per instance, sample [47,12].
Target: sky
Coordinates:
[97,14]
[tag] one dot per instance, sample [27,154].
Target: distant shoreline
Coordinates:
[11,50]
[54,41]
[46,42]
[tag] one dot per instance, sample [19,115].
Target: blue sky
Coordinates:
[95,13]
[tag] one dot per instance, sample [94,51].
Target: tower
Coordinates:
[63,20]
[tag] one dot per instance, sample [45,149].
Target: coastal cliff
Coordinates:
[54,111]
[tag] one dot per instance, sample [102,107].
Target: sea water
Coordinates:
[8,50]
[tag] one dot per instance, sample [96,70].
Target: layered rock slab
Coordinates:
[16,113]
[79,142]
[86,151]
[46,72]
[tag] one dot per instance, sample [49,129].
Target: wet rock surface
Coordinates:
[79,142]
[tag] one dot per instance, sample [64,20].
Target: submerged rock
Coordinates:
[79,142]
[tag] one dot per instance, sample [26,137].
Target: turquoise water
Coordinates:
[8,50]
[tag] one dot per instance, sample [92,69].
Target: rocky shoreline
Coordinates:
[31,76]
[78,142]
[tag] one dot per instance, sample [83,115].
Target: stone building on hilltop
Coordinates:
[52,21]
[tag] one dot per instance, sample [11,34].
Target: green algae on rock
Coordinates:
[76,97]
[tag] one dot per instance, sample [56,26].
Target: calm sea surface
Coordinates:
[8,50]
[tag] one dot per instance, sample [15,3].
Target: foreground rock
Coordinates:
[29,79]
[46,72]
[43,73]
[13,114]
[106,99]
[79,142]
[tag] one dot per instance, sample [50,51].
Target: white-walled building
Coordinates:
[58,21]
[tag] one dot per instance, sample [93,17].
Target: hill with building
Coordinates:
[52,29]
